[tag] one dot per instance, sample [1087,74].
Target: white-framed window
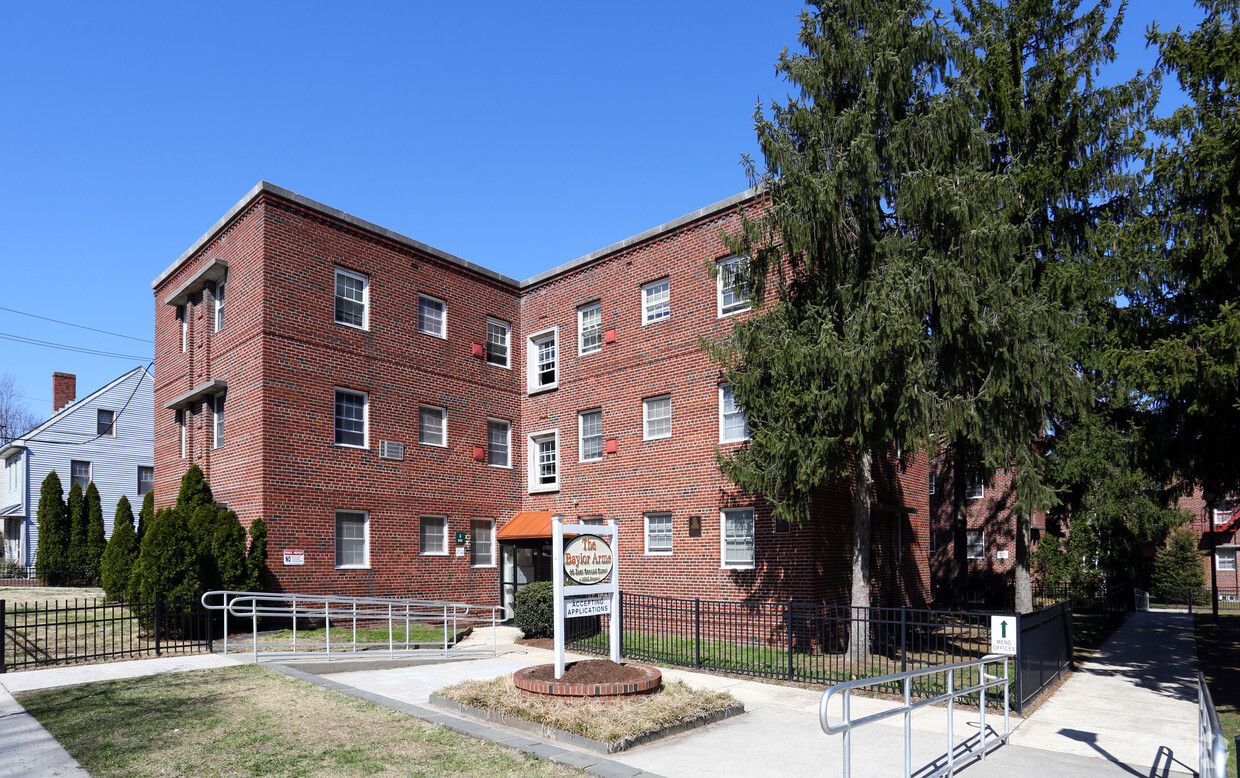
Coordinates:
[974,486]
[656,301]
[736,538]
[352,299]
[975,544]
[352,539]
[1226,560]
[733,425]
[79,473]
[432,426]
[657,417]
[183,432]
[219,420]
[146,479]
[220,289]
[352,412]
[658,533]
[1225,511]
[590,435]
[592,521]
[432,316]
[542,356]
[433,536]
[733,297]
[544,461]
[590,328]
[497,342]
[482,547]
[11,467]
[934,541]
[105,423]
[499,443]
[933,484]
[183,326]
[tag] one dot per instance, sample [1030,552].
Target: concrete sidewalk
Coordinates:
[1131,711]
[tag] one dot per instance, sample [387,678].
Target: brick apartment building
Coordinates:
[989,531]
[410,420]
[1216,523]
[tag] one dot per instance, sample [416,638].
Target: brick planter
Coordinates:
[648,684]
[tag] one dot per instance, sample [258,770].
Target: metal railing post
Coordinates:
[391,639]
[254,627]
[225,624]
[951,720]
[790,640]
[327,627]
[3,628]
[294,623]
[697,632]
[903,638]
[158,627]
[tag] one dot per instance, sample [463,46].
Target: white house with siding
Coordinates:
[106,437]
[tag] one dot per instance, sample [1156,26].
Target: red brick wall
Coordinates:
[283,356]
[1226,534]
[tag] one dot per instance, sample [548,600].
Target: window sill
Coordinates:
[658,437]
[646,323]
[497,364]
[351,446]
[544,488]
[500,467]
[658,553]
[734,440]
[727,314]
[433,445]
[589,461]
[351,326]
[736,567]
[483,567]
[533,390]
[588,353]
[352,567]
[435,553]
[433,334]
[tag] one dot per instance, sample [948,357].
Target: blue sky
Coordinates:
[518,136]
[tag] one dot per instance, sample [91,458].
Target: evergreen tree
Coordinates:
[1065,144]
[1189,308]
[1178,567]
[228,551]
[52,558]
[95,539]
[167,564]
[77,532]
[194,490]
[121,552]
[145,515]
[258,575]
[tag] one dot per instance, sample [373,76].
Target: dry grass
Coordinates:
[25,596]
[610,721]
[248,720]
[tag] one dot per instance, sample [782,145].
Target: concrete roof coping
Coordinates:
[327,210]
[700,213]
[214,270]
[314,205]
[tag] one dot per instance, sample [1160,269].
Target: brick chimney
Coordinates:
[64,390]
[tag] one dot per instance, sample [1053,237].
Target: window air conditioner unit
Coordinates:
[390,449]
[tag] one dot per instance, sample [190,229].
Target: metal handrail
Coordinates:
[847,724]
[1142,598]
[1211,742]
[451,615]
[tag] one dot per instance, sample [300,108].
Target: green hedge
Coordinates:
[535,611]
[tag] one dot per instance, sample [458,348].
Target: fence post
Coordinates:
[158,627]
[697,632]
[1020,653]
[620,623]
[790,640]
[903,638]
[3,624]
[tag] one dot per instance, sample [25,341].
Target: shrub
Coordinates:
[259,576]
[95,539]
[76,509]
[168,565]
[121,552]
[11,568]
[145,515]
[228,551]
[53,555]
[535,610]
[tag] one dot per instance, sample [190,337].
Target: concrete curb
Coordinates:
[581,741]
[545,751]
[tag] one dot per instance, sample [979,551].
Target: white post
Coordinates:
[557,584]
[614,632]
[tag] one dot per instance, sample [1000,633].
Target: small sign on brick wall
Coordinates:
[1002,555]
[294,556]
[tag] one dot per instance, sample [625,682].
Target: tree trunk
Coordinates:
[960,536]
[863,497]
[1024,581]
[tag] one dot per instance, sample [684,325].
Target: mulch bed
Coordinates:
[546,643]
[589,671]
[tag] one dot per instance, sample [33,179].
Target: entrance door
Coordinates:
[522,564]
[12,537]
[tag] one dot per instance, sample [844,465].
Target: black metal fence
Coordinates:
[12,573]
[1086,597]
[1043,650]
[803,642]
[1195,599]
[91,630]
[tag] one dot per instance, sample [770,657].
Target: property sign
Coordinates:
[294,556]
[1003,634]
[587,559]
[587,606]
[461,539]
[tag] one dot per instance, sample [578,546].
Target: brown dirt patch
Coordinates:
[590,671]
[547,643]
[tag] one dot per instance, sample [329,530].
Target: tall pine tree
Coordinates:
[96,541]
[76,508]
[121,551]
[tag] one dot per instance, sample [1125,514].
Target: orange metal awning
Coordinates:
[527,525]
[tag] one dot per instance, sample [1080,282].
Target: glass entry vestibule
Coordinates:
[525,553]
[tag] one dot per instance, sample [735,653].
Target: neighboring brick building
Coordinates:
[990,531]
[379,401]
[1217,524]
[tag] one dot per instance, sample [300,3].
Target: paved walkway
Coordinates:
[1131,711]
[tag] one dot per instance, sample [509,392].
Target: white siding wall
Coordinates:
[114,460]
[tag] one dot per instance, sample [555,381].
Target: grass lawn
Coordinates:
[248,720]
[52,596]
[610,721]
[1220,663]
[342,636]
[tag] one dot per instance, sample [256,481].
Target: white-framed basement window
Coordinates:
[544,461]
[352,539]
[658,533]
[736,538]
[433,536]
